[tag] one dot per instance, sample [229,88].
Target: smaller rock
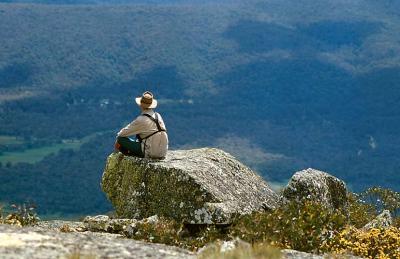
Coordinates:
[131,229]
[61,225]
[315,185]
[383,220]
[151,220]
[67,229]
[294,254]
[103,223]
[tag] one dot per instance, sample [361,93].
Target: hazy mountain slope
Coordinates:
[281,84]
[112,44]
[113,2]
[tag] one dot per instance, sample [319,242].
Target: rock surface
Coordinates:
[34,242]
[61,225]
[126,227]
[103,223]
[56,224]
[199,186]
[315,185]
[293,254]
[383,220]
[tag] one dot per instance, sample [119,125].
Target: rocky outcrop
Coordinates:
[47,241]
[383,220]
[35,242]
[311,184]
[61,226]
[199,186]
[126,227]
[103,223]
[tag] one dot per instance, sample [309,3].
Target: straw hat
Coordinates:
[146,101]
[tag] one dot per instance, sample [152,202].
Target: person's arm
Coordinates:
[133,128]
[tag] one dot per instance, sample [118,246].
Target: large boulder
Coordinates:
[199,186]
[315,185]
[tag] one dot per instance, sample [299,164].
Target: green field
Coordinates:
[9,140]
[34,155]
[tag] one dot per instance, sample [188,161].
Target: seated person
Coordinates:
[151,134]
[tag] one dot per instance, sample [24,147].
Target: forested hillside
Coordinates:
[117,2]
[283,85]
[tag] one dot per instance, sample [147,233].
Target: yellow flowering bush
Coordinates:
[374,243]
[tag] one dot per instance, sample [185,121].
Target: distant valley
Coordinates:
[282,85]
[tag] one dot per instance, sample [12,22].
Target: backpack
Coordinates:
[155,120]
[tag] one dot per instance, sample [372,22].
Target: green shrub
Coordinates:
[383,199]
[305,226]
[359,211]
[205,236]
[396,222]
[301,226]
[367,205]
[163,231]
[22,215]
[169,232]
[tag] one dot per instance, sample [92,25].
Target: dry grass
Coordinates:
[78,254]
[258,251]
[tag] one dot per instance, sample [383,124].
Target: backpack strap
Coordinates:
[155,120]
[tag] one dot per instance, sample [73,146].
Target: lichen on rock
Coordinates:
[199,186]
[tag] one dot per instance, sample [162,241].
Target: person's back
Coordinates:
[149,128]
[156,145]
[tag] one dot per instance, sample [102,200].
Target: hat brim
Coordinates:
[151,106]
